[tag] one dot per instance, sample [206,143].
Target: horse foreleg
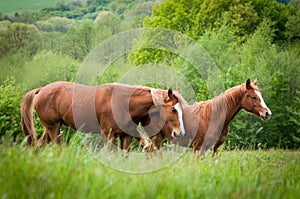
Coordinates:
[217,145]
[109,139]
[125,142]
[199,151]
[112,143]
[220,141]
[157,143]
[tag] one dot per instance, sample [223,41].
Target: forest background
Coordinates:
[256,39]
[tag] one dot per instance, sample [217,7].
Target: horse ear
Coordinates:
[248,84]
[178,90]
[255,81]
[170,92]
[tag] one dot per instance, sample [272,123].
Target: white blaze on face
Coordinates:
[180,117]
[262,102]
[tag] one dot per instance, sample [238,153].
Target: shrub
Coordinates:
[11,96]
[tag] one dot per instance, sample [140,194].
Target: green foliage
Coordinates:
[255,55]
[14,37]
[294,120]
[220,45]
[242,18]
[279,130]
[79,41]
[47,67]
[285,98]
[276,69]
[11,96]
[293,27]
[108,20]
[57,24]
[175,15]
[256,39]
[137,14]
[295,3]
[195,17]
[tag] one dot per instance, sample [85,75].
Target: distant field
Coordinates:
[74,173]
[11,6]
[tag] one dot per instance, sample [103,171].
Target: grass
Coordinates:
[12,6]
[76,173]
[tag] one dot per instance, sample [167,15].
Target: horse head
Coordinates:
[253,102]
[174,116]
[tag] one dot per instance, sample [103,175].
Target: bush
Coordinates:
[47,67]
[11,96]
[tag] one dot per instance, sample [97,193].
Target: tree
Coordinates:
[26,17]
[17,35]
[138,12]
[107,19]
[242,18]
[75,4]
[80,41]
[295,3]
[293,27]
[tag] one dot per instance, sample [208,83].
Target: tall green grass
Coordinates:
[75,173]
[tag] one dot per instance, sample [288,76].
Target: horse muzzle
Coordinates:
[266,115]
[177,133]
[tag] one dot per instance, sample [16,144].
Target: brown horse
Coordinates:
[154,130]
[207,123]
[109,109]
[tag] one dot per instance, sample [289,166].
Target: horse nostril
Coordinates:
[175,134]
[268,114]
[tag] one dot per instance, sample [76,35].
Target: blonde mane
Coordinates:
[181,100]
[157,96]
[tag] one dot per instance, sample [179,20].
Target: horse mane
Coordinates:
[216,104]
[157,96]
[181,100]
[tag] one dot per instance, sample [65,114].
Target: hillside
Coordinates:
[13,6]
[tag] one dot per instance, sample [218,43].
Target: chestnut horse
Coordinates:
[155,117]
[214,116]
[109,109]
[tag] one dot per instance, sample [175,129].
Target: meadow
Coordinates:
[256,39]
[28,5]
[76,173]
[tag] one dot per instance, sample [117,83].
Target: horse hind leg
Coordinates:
[43,139]
[53,131]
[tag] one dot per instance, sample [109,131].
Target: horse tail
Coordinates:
[27,116]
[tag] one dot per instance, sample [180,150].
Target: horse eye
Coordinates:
[253,97]
[174,110]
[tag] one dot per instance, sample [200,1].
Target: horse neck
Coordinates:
[233,103]
[143,98]
[223,109]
